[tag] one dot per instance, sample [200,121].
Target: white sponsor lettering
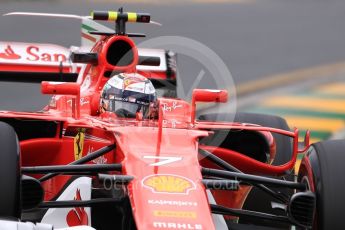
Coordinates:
[162,160]
[172,203]
[172,123]
[171,107]
[172,225]
[83,101]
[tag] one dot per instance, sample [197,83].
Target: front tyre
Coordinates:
[9,172]
[323,170]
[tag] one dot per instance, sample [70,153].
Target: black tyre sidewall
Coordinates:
[326,160]
[9,172]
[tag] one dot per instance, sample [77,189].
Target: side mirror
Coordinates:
[60,88]
[207,95]
[64,88]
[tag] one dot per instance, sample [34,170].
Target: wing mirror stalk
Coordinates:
[207,95]
[64,88]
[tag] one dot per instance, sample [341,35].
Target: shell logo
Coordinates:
[165,183]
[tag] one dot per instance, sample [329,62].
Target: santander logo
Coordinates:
[9,53]
[78,215]
[14,52]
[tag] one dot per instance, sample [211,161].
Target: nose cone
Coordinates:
[167,192]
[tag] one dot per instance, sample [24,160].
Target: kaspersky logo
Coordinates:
[9,54]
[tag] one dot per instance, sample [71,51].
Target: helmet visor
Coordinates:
[125,109]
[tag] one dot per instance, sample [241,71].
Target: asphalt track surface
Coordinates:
[254,38]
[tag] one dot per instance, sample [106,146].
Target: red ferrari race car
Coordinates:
[107,153]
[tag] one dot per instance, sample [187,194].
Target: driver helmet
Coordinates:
[127,94]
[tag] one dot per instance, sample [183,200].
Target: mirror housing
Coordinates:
[207,95]
[60,88]
[64,88]
[210,95]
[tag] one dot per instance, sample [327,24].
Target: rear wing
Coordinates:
[36,62]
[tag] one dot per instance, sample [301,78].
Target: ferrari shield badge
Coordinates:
[79,144]
[164,183]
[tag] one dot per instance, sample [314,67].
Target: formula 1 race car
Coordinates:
[82,164]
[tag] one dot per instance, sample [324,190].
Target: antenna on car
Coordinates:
[121,18]
[121,23]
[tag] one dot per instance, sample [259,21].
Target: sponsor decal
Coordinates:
[171,123]
[34,54]
[99,160]
[174,225]
[175,214]
[130,81]
[79,144]
[115,82]
[135,83]
[83,101]
[140,87]
[171,107]
[60,218]
[166,183]
[17,52]
[159,161]
[9,53]
[173,203]
[78,215]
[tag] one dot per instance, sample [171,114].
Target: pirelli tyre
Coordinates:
[258,200]
[322,169]
[9,172]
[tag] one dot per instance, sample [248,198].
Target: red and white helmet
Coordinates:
[127,94]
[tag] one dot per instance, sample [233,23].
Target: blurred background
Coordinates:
[286,57]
